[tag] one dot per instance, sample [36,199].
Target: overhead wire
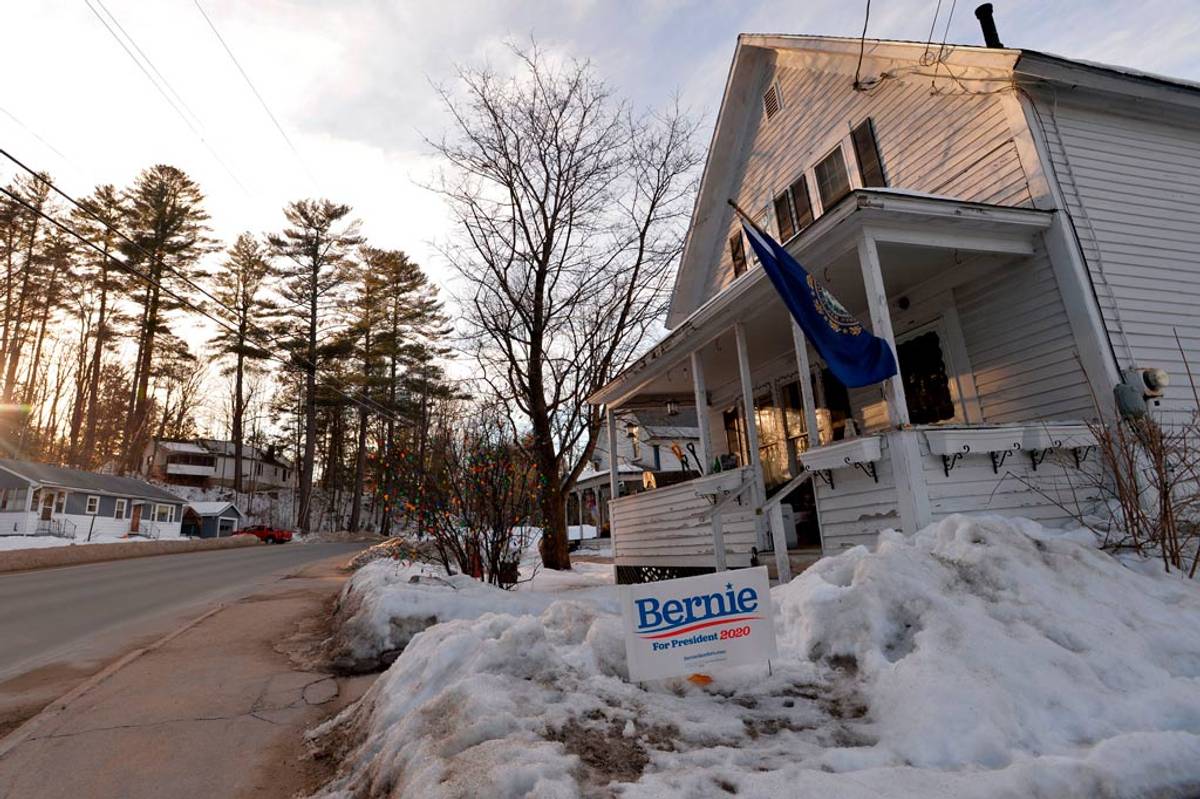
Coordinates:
[261,100]
[862,46]
[361,400]
[174,106]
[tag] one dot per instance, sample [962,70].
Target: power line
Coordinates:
[161,90]
[254,89]
[147,59]
[929,41]
[862,46]
[361,400]
[35,135]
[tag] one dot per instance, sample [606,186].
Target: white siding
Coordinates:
[951,144]
[1053,494]
[1020,345]
[1132,186]
[856,508]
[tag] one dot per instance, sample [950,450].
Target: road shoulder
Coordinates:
[218,708]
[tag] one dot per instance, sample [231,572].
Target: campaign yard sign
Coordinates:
[690,625]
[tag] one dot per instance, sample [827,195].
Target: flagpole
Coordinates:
[745,216]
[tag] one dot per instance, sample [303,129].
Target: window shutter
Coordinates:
[737,252]
[866,149]
[784,220]
[801,203]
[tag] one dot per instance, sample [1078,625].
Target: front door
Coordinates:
[136,518]
[47,506]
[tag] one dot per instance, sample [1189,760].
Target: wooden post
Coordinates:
[806,388]
[756,471]
[783,566]
[881,324]
[718,534]
[701,392]
[614,466]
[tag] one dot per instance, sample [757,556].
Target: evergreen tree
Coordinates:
[165,220]
[315,249]
[239,287]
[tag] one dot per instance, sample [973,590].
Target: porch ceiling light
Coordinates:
[631,430]
[672,408]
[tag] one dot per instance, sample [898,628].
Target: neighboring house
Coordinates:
[212,519]
[647,441]
[207,462]
[38,499]
[1022,229]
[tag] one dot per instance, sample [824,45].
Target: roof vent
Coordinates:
[772,101]
[990,37]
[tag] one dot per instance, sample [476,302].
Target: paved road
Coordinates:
[97,610]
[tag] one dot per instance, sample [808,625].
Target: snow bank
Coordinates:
[387,602]
[978,658]
[9,543]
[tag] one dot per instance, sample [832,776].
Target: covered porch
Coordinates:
[986,414]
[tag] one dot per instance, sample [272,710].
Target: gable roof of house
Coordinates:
[709,216]
[214,508]
[59,477]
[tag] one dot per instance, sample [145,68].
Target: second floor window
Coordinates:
[866,149]
[793,209]
[833,183]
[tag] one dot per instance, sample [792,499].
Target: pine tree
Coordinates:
[165,219]
[97,221]
[315,248]
[239,287]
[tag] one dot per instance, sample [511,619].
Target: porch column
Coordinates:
[881,323]
[912,492]
[806,389]
[756,472]
[614,467]
[701,393]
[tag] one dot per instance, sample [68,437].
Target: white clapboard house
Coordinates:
[40,499]
[1024,230]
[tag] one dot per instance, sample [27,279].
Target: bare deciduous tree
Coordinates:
[570,210]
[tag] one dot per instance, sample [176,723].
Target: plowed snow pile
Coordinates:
[978,658]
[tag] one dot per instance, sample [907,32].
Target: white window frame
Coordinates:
[121,509]
[93,505]
[170,513]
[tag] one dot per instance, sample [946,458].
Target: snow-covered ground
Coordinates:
[9,543]
[978,658]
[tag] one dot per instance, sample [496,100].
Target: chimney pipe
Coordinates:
[990,37]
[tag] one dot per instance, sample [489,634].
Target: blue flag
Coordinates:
[855,357]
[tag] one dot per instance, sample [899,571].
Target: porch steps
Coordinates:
[800,559]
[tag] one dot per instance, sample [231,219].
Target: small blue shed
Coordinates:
[211,519]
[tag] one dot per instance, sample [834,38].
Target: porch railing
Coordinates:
[701,522]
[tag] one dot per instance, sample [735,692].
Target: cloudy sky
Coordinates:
[350,81]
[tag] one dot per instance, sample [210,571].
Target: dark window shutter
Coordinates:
[832,181]
[866,148]
[737,252]
[802,203]
[783,217]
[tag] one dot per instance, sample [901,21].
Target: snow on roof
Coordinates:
[59,477]
[183,446]
[213,508]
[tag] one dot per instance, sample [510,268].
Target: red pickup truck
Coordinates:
[271,535]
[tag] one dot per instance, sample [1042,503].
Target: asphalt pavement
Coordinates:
[94,611]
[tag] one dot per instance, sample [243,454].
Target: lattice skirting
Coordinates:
[632,575]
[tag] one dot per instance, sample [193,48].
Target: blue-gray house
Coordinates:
[40,499]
